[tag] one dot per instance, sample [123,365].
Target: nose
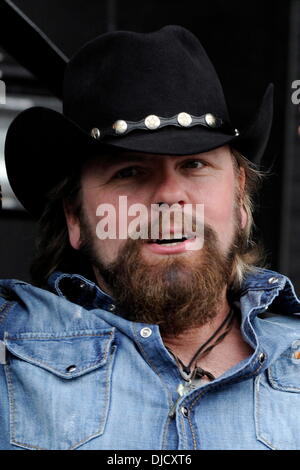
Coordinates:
[169,188]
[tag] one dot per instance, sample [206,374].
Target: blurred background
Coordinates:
[251,43]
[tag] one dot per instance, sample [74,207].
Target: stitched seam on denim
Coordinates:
[282,325]
[220,385]
[262,288]
[35,361]
[277,386]
[12,407]
[105,407]
[58,290]
[257,416]
[193,432]
[84,441]
[5,308]
[256,406]
[169,395]
[184,434]
[54,338]
[91,364]
[107,388]
[29,446]
[165,434]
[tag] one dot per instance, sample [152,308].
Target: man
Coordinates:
[165,341]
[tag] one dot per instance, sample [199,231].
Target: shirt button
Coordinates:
[111,307]
[71,368]
[146,332]
[261,358]
[184,411]
[273,280]
[82,285]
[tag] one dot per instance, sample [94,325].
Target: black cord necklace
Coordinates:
[187,374]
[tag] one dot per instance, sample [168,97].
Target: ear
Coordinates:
[242,184]
[73,227]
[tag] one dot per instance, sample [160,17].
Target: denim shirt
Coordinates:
[76,374]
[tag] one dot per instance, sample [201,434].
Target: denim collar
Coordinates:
[263,291]
[80,290]
[278,291]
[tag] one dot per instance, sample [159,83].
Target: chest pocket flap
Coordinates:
[67,356]
[59,387]
[277,396]
[284,374]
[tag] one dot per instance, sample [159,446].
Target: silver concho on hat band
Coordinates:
[210,120]
[120,126]
[95,132]
[184,119]
[152,122]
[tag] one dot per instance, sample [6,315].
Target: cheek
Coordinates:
[106,249]
[219,204]
[219,211]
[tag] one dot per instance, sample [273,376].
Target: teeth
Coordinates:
[171,244]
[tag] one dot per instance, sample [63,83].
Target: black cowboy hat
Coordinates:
[151,92]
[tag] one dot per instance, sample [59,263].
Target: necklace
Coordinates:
[185,371]
[189,374]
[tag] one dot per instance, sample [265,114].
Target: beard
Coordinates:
[177,292]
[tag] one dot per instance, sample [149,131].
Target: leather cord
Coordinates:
[203,350]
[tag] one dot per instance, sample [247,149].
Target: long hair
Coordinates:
[54,252]
[252,255]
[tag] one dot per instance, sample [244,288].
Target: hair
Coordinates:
[54,253]
[252,256]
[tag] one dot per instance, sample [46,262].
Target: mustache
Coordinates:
[162,226]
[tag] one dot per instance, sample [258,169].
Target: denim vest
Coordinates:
[75,374]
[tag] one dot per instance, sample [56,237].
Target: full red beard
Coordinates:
[177,293]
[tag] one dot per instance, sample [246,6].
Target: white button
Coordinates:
[152,122]
[112,308]
[273,280]
[120,126]
[184,119]
[146,332]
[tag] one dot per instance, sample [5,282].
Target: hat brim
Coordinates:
[42,146]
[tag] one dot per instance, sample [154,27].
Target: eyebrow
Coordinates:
[115,159]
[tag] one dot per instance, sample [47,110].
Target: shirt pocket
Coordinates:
[59,387]
[277,402]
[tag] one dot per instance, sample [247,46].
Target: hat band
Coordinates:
[153,122]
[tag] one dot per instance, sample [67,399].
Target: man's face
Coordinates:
[207,178]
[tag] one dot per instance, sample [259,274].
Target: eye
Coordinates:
[127,172]
[197,164]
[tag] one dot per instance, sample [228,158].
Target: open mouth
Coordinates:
[173,241]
